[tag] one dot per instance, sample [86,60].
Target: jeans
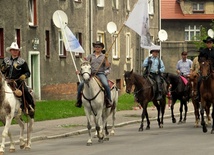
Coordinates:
[103,80]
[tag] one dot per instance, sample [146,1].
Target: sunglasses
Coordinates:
[97,47]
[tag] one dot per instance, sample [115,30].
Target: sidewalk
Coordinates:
[77,125]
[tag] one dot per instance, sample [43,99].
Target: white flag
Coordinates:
[71,42]
[139,22]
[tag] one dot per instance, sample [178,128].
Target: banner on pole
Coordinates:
[139,22]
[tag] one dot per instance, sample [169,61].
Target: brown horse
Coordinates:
[144,93]
[193,80]
[207,92]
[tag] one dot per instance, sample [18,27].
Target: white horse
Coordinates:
[94,104]
[9,109]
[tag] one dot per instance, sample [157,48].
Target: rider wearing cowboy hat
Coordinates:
[16,68]
[99,62]
[207,54]
[155,67]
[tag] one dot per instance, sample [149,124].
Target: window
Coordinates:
[100,3]
[78,1]
[198,7]
[47,44]
[191,32]
[1,43]
[128,5]
[32,13]
[151,7]
[62,51]
[18,38]
[115,47]
[128,46]
[115,4]
[101,37]
[79,38]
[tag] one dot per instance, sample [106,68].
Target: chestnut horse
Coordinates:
[207,92]
[144,94]
[193,79]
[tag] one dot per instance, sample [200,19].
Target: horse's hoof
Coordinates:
[89,144]
[161,126]
[140,129]
[174,120]
[27,148]
[204,129]
[147,128]
[100,140]
[11,150]
[106,139]
[22,146]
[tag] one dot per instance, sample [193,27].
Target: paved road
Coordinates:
[77,125]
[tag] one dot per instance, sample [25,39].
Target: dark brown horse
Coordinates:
[179,91]
[144,94]
[207,92]
[193,79]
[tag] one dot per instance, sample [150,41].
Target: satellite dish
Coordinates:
[59,18]
[111,27]
[210,33]
[162,35]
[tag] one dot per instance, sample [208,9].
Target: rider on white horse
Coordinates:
[99,62]
[16,68]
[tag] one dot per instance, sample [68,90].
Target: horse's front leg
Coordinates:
[5,133]
[207,109]
[144,113]
[99,126]
[172,111]
[196,112]
[163,106]
[29,131]
[113,122]
[185,111]
[212,131]
[203,124]
[181,110]
[21,134]
[158,112]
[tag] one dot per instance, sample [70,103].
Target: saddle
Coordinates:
[110,83]
[17,92]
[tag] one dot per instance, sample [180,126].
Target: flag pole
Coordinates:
[66,41]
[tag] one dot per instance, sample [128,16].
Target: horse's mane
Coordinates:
[173,78]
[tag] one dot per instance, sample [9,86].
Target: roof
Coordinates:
[170,9]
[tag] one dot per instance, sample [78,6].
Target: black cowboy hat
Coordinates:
[208,39]
[153,50]
[98,43]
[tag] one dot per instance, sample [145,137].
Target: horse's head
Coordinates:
[129,80]
[85,71]
[205,68]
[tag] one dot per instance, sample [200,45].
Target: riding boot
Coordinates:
[79,102]
[108,103]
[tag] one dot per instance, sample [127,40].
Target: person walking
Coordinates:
[155,66]
[99,62]
[16,68]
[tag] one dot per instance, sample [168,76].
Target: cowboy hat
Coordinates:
[98,43]
[153,50]
[14,46]
[208,39]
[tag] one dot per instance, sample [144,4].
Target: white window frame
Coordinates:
[191,31]
[115,47]
[198,6]
[128,5]
[115,4]
[151,7]
[100,3]
[101,36]
[31,12]
[128,45]
[61,44]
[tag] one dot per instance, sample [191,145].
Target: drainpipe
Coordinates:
[91,25]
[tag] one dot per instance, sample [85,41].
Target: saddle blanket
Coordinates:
[185,81]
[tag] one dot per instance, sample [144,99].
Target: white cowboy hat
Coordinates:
[14,45]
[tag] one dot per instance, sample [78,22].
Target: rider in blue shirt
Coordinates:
[155,67]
